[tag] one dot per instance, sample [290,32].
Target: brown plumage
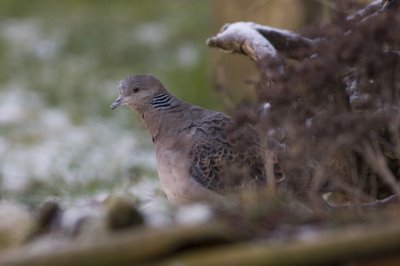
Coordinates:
[200,153]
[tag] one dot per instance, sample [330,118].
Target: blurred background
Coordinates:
[60,64]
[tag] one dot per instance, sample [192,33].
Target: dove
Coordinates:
[201,154]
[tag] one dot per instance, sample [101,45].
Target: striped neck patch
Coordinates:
[161,101]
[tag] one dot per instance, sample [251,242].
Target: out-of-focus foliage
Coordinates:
[72,51]
[339,107]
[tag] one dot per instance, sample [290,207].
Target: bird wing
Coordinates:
[224,157]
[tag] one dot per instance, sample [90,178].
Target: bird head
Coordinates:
[137,92]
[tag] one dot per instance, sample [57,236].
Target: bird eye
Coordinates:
[136,89]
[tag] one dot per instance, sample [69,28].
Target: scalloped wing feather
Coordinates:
[225,158]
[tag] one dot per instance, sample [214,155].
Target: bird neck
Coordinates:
[162,107]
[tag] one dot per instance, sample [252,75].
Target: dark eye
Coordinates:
[136,89]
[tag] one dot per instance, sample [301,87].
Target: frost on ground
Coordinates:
[41,144]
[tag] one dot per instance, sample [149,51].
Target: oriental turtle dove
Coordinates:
[200,153]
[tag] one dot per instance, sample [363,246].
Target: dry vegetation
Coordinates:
[336,105]
[334,95]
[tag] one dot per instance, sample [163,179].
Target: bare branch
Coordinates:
[257,41]
[241,37]
[289,43]
[366,11]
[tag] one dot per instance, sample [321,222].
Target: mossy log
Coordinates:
[353,244]
[122,248]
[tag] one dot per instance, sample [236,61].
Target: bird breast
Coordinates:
[173,170]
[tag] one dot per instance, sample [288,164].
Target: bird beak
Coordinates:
[117,102]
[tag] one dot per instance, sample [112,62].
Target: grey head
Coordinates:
[138,92]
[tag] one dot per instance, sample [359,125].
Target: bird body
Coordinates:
[172,142]
[200,154]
